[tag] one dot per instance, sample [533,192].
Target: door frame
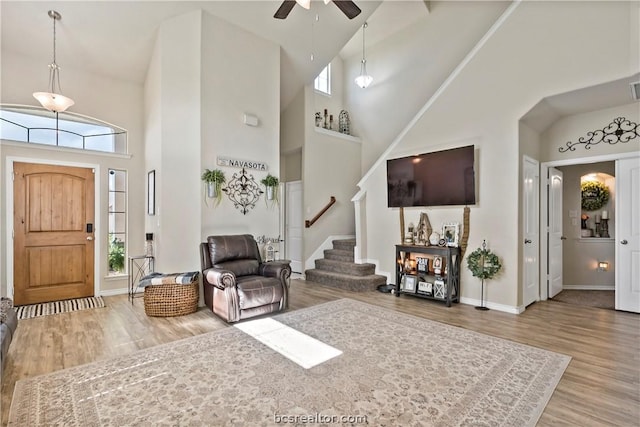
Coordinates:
[97,250]
[544,206]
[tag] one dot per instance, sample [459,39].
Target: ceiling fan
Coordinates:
[347,7]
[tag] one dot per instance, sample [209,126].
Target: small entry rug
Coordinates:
[57,307]
[411,372]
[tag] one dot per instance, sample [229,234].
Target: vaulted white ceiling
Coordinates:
[116,38]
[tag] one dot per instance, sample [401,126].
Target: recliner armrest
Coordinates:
[219,277]
[280,269]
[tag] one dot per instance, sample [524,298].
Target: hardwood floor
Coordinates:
[601,386]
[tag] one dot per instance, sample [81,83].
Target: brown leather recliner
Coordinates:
[237,284]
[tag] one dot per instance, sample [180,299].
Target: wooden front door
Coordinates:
[53,245]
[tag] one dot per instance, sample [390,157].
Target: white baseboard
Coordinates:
[493,306]
[112,292]
[589,287]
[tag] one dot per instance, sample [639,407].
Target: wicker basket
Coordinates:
[171,299]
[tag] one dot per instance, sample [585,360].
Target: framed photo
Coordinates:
[451,234]
[437,264]
[409,283]
[425,288]
[151,193]
[423,265]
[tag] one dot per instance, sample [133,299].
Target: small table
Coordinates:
[139,266]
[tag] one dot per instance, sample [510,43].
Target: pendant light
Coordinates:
[53,100]
[364,79]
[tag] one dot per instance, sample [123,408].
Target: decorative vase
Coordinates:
[269,193]
[212,190]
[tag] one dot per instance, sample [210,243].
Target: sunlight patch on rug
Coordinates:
[300,348]
[57,307]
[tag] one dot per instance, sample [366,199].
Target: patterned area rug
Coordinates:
[412,372]
[57,307]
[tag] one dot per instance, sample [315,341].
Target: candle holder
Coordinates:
[604,228]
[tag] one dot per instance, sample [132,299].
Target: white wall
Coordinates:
[115,101]
[201,81]
[542,48]
[240,74]
[407,70]
[577,126]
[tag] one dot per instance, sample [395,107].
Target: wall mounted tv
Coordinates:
[440,178]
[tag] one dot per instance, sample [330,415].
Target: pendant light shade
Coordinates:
[53,100]
[364,79]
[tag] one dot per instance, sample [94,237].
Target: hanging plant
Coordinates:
[483,263]
[271,185]
[213,188]
[594,195]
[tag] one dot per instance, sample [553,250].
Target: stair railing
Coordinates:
[309,223]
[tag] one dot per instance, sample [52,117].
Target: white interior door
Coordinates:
[294,223]
[554,234]
[531,230]
[628,235]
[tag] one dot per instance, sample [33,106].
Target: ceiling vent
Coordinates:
[635,91]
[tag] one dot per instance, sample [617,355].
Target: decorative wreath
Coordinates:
[483,263]
[594,195]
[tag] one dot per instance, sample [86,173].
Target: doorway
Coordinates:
[589,236]
[52,256]
[294,223]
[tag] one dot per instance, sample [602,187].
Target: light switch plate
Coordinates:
[573,213]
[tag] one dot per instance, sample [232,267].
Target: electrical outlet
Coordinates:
[573,213]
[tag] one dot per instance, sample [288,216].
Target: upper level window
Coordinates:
[39,126]
[322,83]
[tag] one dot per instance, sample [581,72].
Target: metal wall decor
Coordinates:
[344,122]
[619,130]
[243,191]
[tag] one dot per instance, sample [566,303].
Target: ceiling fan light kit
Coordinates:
[53,100]
[364,79]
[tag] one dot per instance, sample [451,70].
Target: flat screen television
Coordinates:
[439,178]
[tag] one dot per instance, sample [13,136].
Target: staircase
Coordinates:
[338,270]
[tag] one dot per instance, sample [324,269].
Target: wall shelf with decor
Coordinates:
[335,134]
[430,272]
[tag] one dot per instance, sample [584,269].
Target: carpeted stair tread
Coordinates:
[344,244]
[345,267]
[338,255]
[345,281]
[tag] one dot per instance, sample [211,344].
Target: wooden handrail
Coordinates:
[308,223]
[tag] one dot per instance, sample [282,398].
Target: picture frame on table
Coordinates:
[425,288]
[422,265]
[409,283]
[451,234]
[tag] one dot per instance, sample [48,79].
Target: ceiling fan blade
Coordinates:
[348,7]
[284,9]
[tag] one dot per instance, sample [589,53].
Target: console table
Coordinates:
[139,266]
[431,272]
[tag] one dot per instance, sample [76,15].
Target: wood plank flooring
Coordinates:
[601,386]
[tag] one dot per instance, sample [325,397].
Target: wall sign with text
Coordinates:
[246,164]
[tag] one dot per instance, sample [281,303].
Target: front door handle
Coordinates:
[624,242]
[89,238]
[563,238]
[527,241]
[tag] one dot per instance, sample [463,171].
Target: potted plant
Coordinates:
[214,180]
[116,254]
[271,184]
